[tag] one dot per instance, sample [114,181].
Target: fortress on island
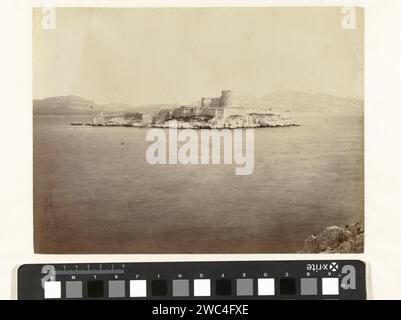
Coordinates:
[209,112]
[217,107]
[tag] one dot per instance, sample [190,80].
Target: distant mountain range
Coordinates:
[278,101]
[74,105]
[300,102]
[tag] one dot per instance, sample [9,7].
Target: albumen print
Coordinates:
[198,130]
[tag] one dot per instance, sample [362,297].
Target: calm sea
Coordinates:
[94,192]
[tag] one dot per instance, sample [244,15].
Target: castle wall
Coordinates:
[228,111]
[223,106]
[215,103]
[207,112]
[187,111]
[206,102]
[232,111]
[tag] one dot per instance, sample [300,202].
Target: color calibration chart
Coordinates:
[229,280]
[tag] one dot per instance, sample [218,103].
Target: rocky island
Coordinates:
[211,113]
[252,120]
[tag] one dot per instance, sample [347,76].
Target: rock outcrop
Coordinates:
[77,123]
[253,120]
[334,239]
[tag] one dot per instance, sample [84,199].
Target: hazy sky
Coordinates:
[141,56]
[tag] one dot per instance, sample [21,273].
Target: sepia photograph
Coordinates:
[198,130]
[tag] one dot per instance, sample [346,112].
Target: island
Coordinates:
[211,113]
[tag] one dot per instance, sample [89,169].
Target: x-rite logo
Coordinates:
[333,266]
[329,267]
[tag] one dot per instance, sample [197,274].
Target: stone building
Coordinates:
[163,115]
[146,119]
[220,107]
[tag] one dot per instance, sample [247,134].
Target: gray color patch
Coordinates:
[308,286]
[244,287]
[117,289]
[73,289]
[180,288]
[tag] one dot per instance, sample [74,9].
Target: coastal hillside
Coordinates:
[278,101]
[75,105]
[65,105]
[300,102]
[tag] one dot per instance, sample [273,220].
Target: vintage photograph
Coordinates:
[198,130]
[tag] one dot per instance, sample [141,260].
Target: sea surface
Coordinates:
[94,191]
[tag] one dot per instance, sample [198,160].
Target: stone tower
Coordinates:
[227,99]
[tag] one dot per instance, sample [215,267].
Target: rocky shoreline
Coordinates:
[335,239]
[254,120]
